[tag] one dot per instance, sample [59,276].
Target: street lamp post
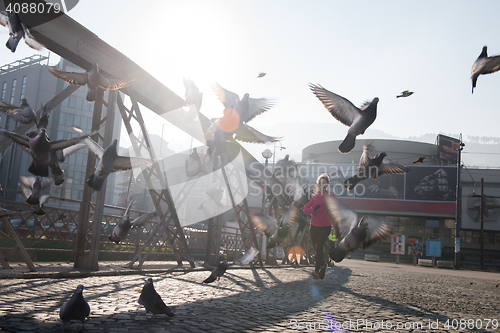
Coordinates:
[274,154]
[267,155]
[458,213]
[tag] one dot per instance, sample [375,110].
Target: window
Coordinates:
[71,101]
[4,90]
[13,91]
[62,118]
[23,87]
[70,119]
[79,103]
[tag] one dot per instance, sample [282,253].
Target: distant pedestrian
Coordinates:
[320,225]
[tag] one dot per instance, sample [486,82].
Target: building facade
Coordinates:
[421,202]
[30,79]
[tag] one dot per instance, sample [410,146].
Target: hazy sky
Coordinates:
[357,49]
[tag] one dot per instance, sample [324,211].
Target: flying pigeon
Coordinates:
[261,74]
[17,30]
[193,95]
[42,149]
[358,119]
[213,200]
[373,167]
[122,228]
[268,225]
[247,108]
[32,188]
[484,65]
[23,113]
[152,301]
[93,79]
[109,161]
[420,160]
[234,121]
[223,266]
[405,93]
[43,122]
[76,308]
[351,230]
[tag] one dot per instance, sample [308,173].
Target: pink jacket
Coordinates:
[318,217]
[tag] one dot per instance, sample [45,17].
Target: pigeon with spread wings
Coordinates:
[268,225]
[223,266]
[484,65]
[353,231]
[373,167]
[31,189]
[17,31]
[110,161]
[123,227]
[237,113]
[358,119]
[42,149]
[93,79]
[23,113]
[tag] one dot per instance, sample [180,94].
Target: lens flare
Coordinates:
[295,253]
[230,121]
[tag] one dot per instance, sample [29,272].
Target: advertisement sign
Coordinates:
[433,248]
[431,183]
[397,244]
[447,148]
[415,246]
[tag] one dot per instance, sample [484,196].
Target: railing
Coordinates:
[58,226]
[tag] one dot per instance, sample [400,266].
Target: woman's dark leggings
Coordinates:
[319,235]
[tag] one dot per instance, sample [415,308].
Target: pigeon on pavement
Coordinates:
[109,161]
[93,79]
[405,93]
[358,119]
[17,30]
[217,272]
[484,65]
[152,302]
[373,167]
[76,308]
[352,231]
[23,113]
[42,149]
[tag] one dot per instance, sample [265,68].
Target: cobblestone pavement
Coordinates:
[355,296]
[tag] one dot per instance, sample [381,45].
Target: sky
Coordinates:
[357,49]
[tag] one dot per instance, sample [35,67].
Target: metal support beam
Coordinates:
[93,263]
[81,256]
[162,200]
[18,246]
